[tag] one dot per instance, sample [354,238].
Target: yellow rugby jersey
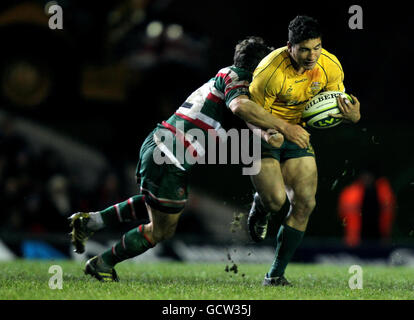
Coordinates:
[282,91]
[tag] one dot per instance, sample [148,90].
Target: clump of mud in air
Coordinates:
[236,223]
[234,267]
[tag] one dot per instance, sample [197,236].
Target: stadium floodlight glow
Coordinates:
[154,29]
[174,31]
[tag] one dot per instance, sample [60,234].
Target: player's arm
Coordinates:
[255,115]
[251,112]
[350,111]
[292,132]
[271,136]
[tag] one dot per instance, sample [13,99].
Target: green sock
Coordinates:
[288,239]
[132,244]
[124,211]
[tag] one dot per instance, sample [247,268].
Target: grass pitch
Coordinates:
[29,280]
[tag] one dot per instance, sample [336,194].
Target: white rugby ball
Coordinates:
[317,110]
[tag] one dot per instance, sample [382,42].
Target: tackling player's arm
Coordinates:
[251,112]
[236,95]
[254,114]
[271,136]
[292,132]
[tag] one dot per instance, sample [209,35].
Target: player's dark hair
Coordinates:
[303,28]
[249,52]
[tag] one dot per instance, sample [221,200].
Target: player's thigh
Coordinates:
[269,184]
[301,178]
[164,185]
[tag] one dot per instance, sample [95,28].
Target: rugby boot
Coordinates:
[276,282]
[80,233]
[96,268]
[258,220]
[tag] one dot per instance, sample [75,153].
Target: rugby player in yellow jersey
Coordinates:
[282,83]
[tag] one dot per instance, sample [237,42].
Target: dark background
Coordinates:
[105,84]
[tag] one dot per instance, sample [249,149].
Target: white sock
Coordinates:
[95,222]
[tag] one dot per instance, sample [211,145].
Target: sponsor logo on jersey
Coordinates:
[315,87]
[302,80]
[180,192]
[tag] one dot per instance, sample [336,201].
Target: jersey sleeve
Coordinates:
[235,89]
[335,76]
[232,84]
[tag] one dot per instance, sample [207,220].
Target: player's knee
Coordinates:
[158,236]
[163,233]
[310,204]
[302,210]
[305,206]
[275,202]
[169,233]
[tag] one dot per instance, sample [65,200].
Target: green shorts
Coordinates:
[288,150]
[164,185]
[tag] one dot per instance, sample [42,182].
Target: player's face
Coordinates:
[306,53]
